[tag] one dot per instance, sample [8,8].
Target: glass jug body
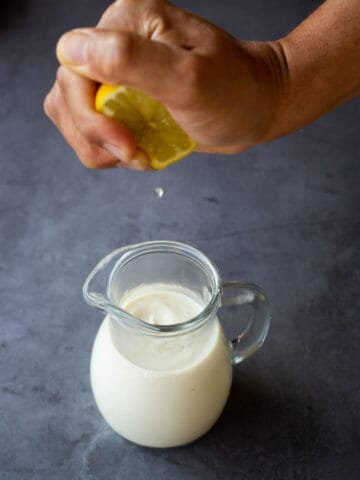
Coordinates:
[165,384]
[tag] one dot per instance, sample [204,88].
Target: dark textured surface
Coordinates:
[285,215]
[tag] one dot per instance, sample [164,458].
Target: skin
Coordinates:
[233,94]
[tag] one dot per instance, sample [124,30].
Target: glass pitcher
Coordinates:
[166,385]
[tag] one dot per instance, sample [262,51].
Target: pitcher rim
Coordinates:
[115,312]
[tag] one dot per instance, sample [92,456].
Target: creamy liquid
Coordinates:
[161,304]
[166,391]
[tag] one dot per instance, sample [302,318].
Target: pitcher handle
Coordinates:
[253,336]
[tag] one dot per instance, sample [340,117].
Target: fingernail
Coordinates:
[140,161]
[116,151]
[72,48]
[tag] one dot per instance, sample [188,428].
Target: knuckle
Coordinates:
[49,105]
[52,103]
[156,25]
[87,153]
[114,10]
[61,76]
[116,55]
[120,3]
[156,3]
[134,3]
[122,46]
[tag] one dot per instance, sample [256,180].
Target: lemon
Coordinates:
[154,129]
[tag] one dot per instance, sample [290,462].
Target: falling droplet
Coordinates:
[159,192]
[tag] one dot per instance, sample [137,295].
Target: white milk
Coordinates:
[161,392]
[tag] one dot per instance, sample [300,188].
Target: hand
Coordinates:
[221,91]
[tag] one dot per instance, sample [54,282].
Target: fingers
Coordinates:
[98,141]
[79,96]
[89,154]
[160,21]
[119,57]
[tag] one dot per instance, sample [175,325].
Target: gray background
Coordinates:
[284,215]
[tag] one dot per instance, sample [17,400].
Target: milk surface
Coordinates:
[161,304]
[161,391]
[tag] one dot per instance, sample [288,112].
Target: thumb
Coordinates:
[119,57]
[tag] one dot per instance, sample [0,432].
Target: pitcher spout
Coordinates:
[99,290]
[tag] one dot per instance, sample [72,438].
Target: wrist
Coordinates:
[271,79]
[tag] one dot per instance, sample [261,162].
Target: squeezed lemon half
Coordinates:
[154,129]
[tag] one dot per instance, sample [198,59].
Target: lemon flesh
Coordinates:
[154,129]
